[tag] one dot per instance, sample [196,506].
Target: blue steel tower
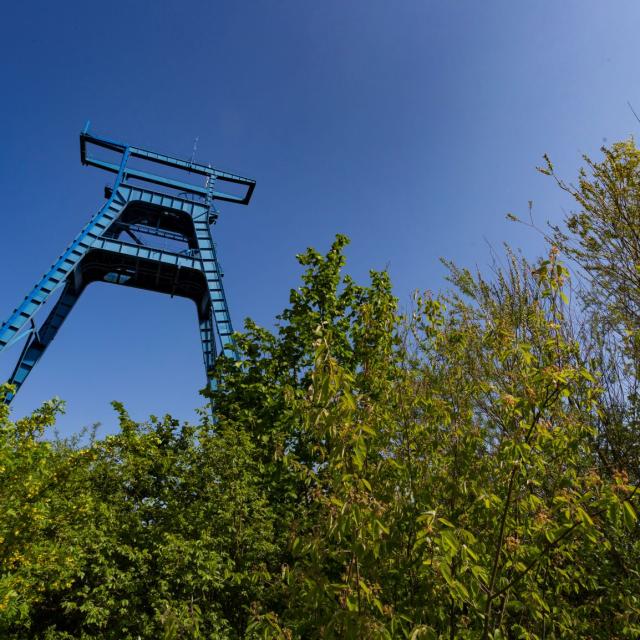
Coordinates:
[117,246]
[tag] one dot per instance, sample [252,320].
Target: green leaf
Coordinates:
[629,514]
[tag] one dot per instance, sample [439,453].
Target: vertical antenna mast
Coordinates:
[195,148]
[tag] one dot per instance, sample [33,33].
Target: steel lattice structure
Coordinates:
[114,247]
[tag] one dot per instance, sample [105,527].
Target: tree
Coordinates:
[455,471]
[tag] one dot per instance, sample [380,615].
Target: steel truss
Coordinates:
[110,249]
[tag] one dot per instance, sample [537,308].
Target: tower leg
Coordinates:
[208,341]
[211,268]
[39,340]
[60,270]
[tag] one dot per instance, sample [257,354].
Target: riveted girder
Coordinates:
[120,245]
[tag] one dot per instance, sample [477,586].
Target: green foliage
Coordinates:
[455,471]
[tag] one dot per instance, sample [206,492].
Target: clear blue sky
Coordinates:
[411,126]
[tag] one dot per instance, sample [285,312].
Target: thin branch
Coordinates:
[633,111]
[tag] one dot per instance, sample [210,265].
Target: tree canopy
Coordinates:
[464,468]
